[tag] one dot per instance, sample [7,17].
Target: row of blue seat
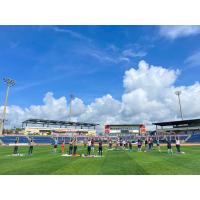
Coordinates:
[50,140]
[194,138]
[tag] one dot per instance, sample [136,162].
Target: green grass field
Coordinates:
[44,162]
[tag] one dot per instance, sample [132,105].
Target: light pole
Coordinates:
[178,93]
[70,106]
[9,83]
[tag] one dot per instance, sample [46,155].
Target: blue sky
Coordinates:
[89,61]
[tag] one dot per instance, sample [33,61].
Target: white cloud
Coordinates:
[74,34]
[173,32]
[148,97]
[131,53]
[103,109]
[149,77]
[113,54]
[193,60]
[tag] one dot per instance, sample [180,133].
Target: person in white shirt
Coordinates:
[178,145]
[124,144]
[89,147]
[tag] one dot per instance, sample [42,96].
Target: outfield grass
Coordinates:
[44,162]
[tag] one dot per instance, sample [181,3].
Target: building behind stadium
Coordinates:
[124,129]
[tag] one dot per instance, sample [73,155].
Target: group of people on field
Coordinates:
[91,147]
[16,146]
[120,143]
[89,143]
[72,146]
[148,144]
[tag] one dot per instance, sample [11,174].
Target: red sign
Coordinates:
[142,129]
[107,129]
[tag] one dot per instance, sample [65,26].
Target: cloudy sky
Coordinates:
[118,74]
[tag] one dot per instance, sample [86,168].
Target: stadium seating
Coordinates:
[65,139]
[6,139]
[182,137]
[195,138]
[43,139]
[11,139]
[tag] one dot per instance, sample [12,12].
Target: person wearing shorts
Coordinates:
[63,147]
[75,146]
[55,145]
[89,147]
[100,148]
[70,147]
[169,147]
[30,150]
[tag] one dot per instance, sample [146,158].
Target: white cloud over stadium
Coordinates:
[148,96]
[173,32]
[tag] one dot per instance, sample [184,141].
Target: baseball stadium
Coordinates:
[101,113]
[44,147]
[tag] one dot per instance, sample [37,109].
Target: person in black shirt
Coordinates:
[139,143]
[121,143]
[15,151]
[89,147]
[146,144]
[100,148]
[70,147]
[169,146]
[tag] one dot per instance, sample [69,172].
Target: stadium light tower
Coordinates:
[9,83]
[178,93]
[70,105]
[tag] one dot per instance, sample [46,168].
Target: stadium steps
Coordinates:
[189,136]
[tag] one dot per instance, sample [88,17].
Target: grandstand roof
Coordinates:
[123,124]
[57,122]
[190,122]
